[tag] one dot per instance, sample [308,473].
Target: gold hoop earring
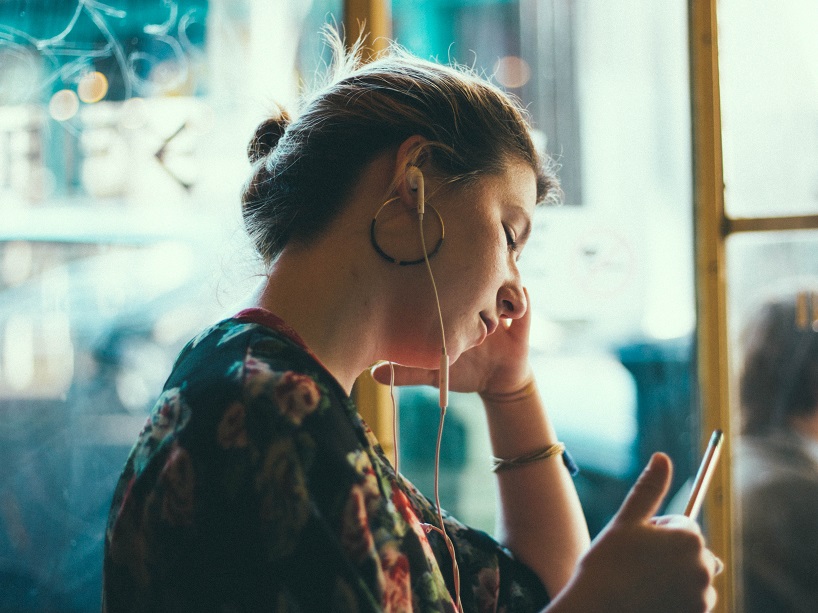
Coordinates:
[388,257]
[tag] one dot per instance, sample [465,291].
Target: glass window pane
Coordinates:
[773,315]
[768,63]
[122,155]
[610,273]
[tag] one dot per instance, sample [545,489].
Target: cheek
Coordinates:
[416,320]
[478,272]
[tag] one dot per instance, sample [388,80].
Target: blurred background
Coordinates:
[123,127]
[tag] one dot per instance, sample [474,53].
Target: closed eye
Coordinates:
[511,241]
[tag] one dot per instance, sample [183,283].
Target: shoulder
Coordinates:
[237,336]
[248,355]
[233,381]
[772,457]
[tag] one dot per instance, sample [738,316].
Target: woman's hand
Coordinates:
[499,365]
[639,563]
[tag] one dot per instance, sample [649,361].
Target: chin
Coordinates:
[431,360]
[453,357]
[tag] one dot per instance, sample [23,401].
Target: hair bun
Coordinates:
[267,135]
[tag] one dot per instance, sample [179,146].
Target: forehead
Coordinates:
[513,188]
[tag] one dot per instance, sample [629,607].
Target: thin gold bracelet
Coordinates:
[529,389]
[498,464]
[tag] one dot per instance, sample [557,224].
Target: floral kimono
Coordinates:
[255,486]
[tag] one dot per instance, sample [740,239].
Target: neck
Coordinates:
[328,302]
[334,292]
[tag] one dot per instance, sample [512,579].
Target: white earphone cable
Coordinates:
[395,418]
[444,402]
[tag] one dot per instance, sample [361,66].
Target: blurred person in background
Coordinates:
[776,458]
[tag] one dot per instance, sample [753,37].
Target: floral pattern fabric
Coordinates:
[255,486]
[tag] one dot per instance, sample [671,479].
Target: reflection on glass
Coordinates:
[761,264]
[768,63]
[773,301]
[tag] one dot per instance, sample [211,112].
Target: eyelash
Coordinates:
[512,244]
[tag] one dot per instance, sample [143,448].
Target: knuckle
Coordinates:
[701,577]
[711,598]
[690,541]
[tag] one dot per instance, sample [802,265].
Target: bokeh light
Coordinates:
[512,71]
[63,105]
[92,87]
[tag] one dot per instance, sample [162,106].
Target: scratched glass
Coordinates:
[123,129]
[772,283]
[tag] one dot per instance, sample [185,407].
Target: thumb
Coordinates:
[643,501]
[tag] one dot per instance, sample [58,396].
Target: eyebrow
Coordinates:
[526,230]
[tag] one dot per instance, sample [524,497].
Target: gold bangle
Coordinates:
[527,390]
[498,464]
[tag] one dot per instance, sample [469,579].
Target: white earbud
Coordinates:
[414,177]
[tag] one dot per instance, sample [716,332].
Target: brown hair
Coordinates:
[779,379]
[304,169]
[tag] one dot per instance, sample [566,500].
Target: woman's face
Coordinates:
[487,225]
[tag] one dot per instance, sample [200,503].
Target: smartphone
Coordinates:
[704,475]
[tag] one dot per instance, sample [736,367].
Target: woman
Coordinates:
[256,486]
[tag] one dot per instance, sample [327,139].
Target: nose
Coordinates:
[511,300]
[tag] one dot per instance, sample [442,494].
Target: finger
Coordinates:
[526,318]
[681,522]
[404,375]
[711,598]
[647,494]
[714,563]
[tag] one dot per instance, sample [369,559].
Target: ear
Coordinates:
[411,152]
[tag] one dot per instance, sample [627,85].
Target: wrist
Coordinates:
[575,599]
[522,391]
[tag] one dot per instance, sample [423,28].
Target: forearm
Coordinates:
[572,600]
[540,518]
